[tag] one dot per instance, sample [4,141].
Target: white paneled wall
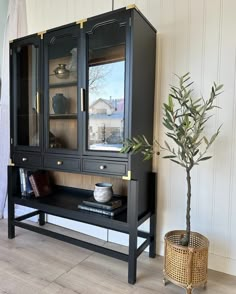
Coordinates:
[196,36]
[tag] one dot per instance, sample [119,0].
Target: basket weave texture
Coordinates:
[186,266]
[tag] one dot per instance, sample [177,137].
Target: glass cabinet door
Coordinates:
[106,65]
[26,94]
[61,95]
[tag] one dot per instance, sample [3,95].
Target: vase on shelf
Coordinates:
[59,104]
[103,192]
[61,71]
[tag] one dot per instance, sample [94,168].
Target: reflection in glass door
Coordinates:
[106,76]
[28,108]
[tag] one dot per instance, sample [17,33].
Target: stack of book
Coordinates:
[110,208]
[25,186]
[34,183]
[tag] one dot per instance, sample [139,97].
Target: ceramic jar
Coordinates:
[61,71]
[103,192]
[59,103]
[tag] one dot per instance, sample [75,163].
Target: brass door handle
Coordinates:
[60,162]
[82,97]
[37,102]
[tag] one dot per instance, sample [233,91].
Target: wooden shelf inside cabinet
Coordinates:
[63,116]
[63,85]
[64,202]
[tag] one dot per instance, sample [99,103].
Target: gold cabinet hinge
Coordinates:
[11,163]
[131,6]
[41,34]
[128,177]
[11,52]
[11,141]
[81,22]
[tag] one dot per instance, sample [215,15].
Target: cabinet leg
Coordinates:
[133,231]
[152,230]
[42,218]
[152,247]
[11,206]
[11,229]
[132,266]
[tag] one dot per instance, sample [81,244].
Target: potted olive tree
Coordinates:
[185,118]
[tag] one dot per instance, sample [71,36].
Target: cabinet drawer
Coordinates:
[27,159]
[104,167]
[61,163]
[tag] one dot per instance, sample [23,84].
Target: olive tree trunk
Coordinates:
[188,223]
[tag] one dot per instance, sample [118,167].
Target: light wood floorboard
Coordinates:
[35,264]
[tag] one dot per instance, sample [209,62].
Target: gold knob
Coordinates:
[24,159]
[102,167]
[59,162]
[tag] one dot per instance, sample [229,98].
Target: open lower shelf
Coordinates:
[64,201]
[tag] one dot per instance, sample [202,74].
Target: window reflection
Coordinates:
[106,106]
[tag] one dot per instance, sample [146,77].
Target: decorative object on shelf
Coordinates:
[53,141]
[61,71]
[59,103]
[72,66]
[103,192]
[186,252]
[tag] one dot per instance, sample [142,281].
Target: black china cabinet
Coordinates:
[77,91]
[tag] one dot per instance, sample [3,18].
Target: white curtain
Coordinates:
[16,26]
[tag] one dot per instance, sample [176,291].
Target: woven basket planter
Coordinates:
[186,266]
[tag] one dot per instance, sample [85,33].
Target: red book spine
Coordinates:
[34,186]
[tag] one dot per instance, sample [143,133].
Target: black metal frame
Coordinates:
[131,227]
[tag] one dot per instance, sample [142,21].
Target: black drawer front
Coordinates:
[104,167]
[27,160]
[61,163]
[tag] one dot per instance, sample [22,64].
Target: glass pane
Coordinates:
[106,88]
[27,102]
[63,93]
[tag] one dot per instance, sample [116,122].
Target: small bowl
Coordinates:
[103,192]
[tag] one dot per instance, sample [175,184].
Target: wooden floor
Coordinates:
[32,264]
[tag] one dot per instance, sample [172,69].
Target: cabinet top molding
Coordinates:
[82,21]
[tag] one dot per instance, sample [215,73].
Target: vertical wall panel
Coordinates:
[180,27]
[209,65]
[223,151]
[197,34]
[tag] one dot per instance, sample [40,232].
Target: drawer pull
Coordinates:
[102,167]
[24,159]
[60,162]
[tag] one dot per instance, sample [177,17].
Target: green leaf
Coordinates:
[196,152]
[170,101]
[205,158]
[205,140]
[167,145]
[219,87]
[169,156]
[167,125]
